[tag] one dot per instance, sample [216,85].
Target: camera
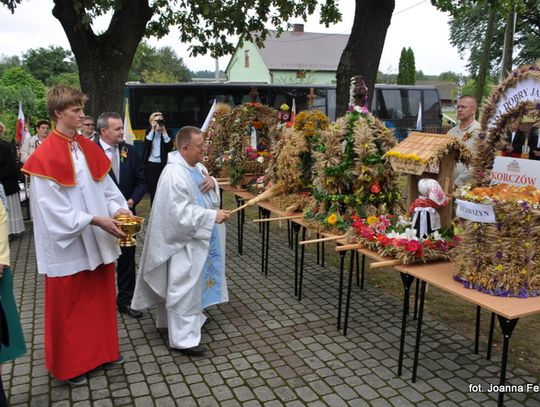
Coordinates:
[160,122]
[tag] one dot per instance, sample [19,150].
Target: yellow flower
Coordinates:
[371,220]
[331,219]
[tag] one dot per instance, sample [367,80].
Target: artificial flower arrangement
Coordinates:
[393,236]
[501,258]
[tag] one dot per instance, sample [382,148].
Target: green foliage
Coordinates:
[47,63]
[153,65]
[65,79]
[407,69]
[470,88]
[207,74]
[468,27]
[8,62]
[18,85]
[449,76]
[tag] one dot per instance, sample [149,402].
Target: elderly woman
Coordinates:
[157,145]
[11,338]
[9,178]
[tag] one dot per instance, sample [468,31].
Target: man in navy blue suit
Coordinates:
[128,174]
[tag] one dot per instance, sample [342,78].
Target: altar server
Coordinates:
[73,203]
[182,268]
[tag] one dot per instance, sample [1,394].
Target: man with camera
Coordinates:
[157,145]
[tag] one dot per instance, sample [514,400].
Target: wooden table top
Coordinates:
[441,275]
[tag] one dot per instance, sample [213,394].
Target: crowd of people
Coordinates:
[82,176]
[80,181]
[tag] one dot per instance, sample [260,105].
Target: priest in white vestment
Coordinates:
[182,267]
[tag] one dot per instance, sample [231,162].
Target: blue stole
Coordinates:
[212,274]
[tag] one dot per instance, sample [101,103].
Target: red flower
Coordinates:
[414,247]
[375,189]
[355,218]
[384,240]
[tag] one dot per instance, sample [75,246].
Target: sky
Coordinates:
[415,23]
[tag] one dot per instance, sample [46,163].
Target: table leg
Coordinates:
[477,331]
[322,254]
[507,327]
[416,299]
[318,249]
[289,234]
[267,245]
[296,230]
[240,225]
[301,276]
[264,241]
[220,198]
[490,338]
[363,271]
[340,290]
[349,286]
[407,280]
[419,330]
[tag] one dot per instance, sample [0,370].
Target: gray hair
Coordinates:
[103,120]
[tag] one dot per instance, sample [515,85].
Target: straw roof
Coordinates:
[423,152]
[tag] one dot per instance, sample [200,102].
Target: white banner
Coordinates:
[516,171]
[474,211]
[526,90]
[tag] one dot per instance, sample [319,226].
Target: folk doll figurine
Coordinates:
[431,197]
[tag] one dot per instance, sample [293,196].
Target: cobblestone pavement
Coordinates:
[265,348]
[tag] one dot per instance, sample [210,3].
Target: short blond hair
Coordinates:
[153,115]
[60,98]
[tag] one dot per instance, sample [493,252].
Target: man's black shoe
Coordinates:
[193,351]
[126,309]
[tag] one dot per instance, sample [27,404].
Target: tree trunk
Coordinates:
[506,63]
[363,52]
[104,60]
[484,63]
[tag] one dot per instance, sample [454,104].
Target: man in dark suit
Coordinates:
[534,143]
[128,174]
[515,138]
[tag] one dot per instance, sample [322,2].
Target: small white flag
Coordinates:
[419,118]
[209,116]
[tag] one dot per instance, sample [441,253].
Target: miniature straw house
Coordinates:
[426,155]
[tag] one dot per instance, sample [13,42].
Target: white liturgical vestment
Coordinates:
[177,244]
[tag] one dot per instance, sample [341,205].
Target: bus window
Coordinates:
[411,102]
[431,105]
[390,104]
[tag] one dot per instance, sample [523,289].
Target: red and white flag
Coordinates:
[22,132]
[292,118]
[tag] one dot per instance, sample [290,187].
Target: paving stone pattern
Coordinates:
[265,347]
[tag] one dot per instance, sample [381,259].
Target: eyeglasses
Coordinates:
[199,146]
[88,124]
